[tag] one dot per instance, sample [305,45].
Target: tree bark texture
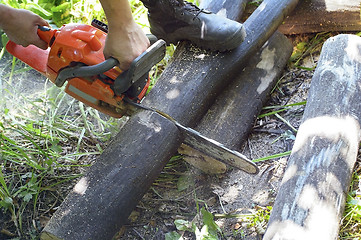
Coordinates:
[230,9]
[313,191]
[102,200]
[231,117]
[323,16]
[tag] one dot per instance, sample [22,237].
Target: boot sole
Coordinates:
[230,43]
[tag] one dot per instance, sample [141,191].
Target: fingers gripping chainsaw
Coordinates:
[75,54]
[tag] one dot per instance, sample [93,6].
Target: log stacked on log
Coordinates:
[192,156]
[232,116]
[323,15]
[102,200]
[312,195]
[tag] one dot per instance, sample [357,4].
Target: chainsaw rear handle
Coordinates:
[84,71]
[138,68]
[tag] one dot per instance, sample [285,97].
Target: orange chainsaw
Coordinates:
[75,55]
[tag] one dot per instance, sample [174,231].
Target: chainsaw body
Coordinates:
[75,55]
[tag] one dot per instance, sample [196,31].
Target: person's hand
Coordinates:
[125,43]
[126,40]
[21,27]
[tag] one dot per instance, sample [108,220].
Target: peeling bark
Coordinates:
[313,191]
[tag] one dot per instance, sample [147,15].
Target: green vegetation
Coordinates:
[208,228]
[43,145]
[47,139]
[351,223]
[59,12]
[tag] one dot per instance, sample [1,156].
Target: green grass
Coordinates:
[47,139]
[351,222]
[39,142]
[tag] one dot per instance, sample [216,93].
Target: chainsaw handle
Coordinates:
[138,68]
[84,71]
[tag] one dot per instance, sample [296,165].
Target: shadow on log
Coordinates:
[312,195]
[102,200]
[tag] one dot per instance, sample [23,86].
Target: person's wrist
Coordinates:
[123,25]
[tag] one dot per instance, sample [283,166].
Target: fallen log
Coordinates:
[312,16]
[313,191]
[231,117]
[102,200]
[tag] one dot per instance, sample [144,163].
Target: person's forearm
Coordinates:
[118,12]
[6,15]
[125,40]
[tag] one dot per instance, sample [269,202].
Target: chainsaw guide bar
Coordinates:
[207,146]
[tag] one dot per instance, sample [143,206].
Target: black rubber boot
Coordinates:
[176,20]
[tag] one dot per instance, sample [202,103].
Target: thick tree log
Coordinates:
[102,200]
[312,195]
[323,15]
[232,116]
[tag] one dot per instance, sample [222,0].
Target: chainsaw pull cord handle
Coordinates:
[47,34]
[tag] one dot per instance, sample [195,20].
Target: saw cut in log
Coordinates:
[104,197]
[312,16]
[313,191]
[232,116]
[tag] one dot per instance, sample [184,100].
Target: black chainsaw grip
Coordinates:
[84,71]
